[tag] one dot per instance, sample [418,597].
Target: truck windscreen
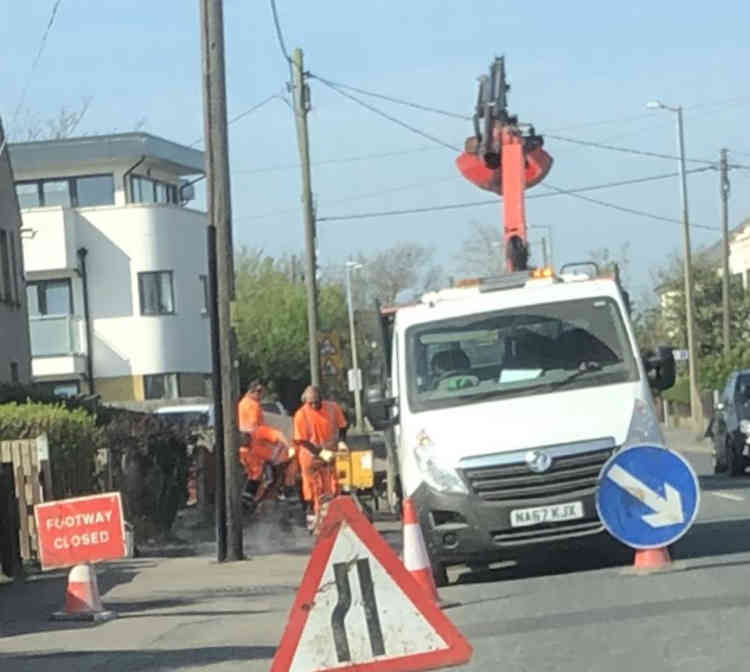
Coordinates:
[520,351]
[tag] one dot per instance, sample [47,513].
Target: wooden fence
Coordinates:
[28,461]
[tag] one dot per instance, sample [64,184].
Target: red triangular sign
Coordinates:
[359,609]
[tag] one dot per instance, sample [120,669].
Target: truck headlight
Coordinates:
[745,426]
[437,476]
[644,426]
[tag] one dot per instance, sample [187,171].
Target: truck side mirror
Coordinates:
[378,408]
[660,368]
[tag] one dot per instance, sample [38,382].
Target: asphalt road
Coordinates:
[577,612]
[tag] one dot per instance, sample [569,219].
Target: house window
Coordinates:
[5,266]
[146,190]
[94,190]
[28,195]
[56,192]
[156,293]
[204,286]
[161,386]
[77,192]
[49,297]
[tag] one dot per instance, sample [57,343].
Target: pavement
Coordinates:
[576,611]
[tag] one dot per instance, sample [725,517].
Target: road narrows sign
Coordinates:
[80,530]
[359,609]
[648,496]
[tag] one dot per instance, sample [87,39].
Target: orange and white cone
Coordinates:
[416,560]
[651,559]
[82,599]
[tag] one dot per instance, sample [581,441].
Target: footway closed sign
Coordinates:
[80,530]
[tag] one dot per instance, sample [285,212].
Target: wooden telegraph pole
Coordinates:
[220,217]
[301,108]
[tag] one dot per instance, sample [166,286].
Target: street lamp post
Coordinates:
[353,266]
[696,406]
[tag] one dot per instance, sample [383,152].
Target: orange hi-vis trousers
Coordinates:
[318,478]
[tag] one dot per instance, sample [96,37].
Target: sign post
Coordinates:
[648,497]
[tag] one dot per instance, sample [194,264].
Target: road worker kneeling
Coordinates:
[265,453]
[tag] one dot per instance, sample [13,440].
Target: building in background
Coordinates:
[15,355]
[115,266]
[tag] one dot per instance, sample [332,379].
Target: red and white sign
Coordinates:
[359,609]
[80,530]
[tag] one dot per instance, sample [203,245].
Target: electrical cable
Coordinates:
[390,118]
[399,101]
[622,208]
[556,190]
[242,115]
[279,34]
[34,64]
[345,159]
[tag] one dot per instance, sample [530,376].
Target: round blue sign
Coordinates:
[648,496]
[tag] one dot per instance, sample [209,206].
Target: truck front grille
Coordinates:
[573,474]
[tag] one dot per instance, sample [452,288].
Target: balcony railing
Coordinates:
[56,335]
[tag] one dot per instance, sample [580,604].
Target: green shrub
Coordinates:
[150,468]
[73,441]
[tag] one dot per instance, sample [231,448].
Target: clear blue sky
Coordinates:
[570,64]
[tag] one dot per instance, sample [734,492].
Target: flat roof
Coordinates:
[49,155]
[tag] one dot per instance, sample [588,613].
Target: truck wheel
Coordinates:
[440,574]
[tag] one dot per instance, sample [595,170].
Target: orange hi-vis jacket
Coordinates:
[264,439]
[321,428]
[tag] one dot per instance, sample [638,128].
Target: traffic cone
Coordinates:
[416,559]
[82,600]
[649,559]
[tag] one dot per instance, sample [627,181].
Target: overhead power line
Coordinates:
[279,33]
[622,208]
[626,150]
[35,62]
[392,99]
[556,190]
[389,117]
[344,159]
[242,115]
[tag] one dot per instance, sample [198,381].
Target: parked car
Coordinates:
[730,426]
[187,415]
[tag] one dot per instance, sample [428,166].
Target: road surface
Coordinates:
[564,613]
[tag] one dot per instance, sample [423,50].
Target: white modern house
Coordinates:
[15,356]
[115,266]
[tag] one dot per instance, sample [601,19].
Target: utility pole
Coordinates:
[353,266]
[544,252]
[696,405]
[301,94]
[220,217]
[724,186]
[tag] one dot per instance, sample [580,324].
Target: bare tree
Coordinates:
[482,252]
[62,125]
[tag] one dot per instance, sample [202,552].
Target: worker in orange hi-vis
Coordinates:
[319,431]
[262,445]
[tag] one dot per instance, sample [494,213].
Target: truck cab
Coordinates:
[506,396]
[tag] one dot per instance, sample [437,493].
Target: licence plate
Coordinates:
[555,513]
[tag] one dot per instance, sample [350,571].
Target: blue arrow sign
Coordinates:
[648,496]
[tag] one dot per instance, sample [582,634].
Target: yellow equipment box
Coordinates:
[354,469]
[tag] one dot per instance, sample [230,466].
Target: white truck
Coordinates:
[506,396]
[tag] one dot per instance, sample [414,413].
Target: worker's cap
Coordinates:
[255,385]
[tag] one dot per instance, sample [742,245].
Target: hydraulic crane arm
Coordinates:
[500,158]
